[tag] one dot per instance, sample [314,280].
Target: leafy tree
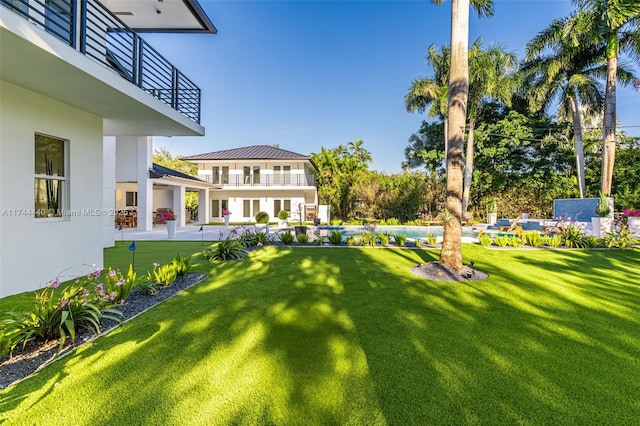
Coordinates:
[426,148]
[163,157]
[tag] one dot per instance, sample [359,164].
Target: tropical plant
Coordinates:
[367,239]
[400,239]
[229,249]
[602,208]
[286,237]
[146,286]
[514,241]
[249,239]
[351,240]
[501,240]
[262,217]
[431,239]
[58,317]
[572,236]
[335,237]
[164,275]
[552,240]
[116,284]
[181,264]
[302,238]
[484,240]
[620,237]
[384,238]
[533,239]
[264,238]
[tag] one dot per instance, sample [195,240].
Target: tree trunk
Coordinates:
[468,169]
[577,142]
[609,127]
[451,254]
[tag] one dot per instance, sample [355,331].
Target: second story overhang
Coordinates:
[38,60]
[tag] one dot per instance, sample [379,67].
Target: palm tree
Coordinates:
[451,253]
[491,77]
[616,22]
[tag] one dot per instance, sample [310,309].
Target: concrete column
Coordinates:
[145,186]
[204,206]
[179,204]
[108,190]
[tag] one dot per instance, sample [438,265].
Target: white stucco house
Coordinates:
[79,88]
[260,178]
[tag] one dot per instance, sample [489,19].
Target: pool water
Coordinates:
[409,231]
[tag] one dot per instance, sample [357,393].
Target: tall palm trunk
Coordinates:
[468,169]
[609,125]
[577,142]
[451,254]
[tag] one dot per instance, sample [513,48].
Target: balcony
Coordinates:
[91,29]
[261,181]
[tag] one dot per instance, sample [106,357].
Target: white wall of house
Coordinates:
[35,251]
[108,189]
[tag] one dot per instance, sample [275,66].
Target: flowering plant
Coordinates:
[169,215]
[631,213]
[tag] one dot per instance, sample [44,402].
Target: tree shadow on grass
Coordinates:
[350,336]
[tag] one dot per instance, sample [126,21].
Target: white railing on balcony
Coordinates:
[103,37]
[263,180]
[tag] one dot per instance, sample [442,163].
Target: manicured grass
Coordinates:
[335,336]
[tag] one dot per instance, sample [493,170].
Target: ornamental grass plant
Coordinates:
[350,336]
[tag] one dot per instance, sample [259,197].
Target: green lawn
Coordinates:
[350,336]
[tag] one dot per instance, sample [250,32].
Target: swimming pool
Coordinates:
[410,231]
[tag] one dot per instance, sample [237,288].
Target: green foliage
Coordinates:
[484,240]
[515,241]
[392,221]
[262,217]
[400,239]
[318,241]
[181,264]
[493,207]
[229,249]
[335,237]
[533,239]
[77,307]
[302,238]
[602,208]
[501,240]
[384,238]
[351,240]
[620,237]
[286,237]
[163,157]
[264,238]
[552,240]
[283,215]
[117,285]
[146,286]
[367,239]
[431,239]
[572,236]
[164,275]
[249,239]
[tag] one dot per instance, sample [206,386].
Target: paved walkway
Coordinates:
[185,233]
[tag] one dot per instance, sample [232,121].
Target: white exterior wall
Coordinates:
[35,251]
[108,189]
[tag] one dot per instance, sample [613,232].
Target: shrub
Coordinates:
[335,237]
[515,241]
[392,221]
[146,286]
[248,239]
[262,217]
[501,240]
[264,238]
[223,250]
[302,238]
[181,264]
[400,239]
[384,238]
[572,236]
[533,239]
[118,285]
[367,239]
[351,240]
[77,307]
[318,241]
[283,215]
[286,237]
[620,238]
[602,208]
[431,239]
[552,240]
[418,242]
[484,240]
[164,275]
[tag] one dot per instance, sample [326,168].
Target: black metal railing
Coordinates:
[104,38]
[260,181]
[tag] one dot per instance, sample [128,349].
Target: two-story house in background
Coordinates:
[80,88]
[260,178]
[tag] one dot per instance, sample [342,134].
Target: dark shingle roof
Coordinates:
[159,171]
[255,152]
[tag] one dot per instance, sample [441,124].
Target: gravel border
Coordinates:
[37,355]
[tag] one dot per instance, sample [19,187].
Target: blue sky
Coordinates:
[312,74]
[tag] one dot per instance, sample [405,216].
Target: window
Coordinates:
[131,199]
[215,208]
[281,205]
[215,174]
[50,176]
